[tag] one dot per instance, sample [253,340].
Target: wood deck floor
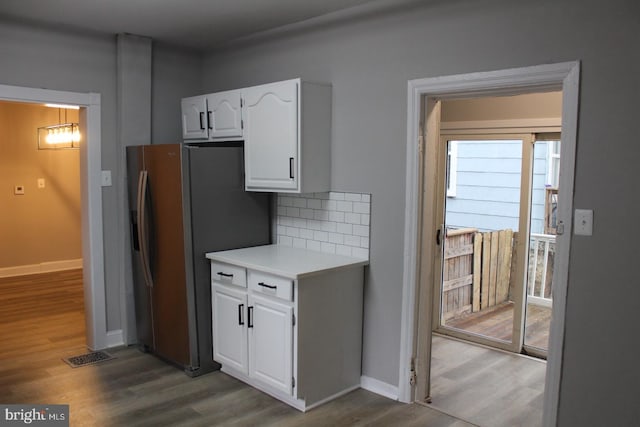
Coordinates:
[498,323]
[42,321]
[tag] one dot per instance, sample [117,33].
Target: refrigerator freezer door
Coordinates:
[166,252]
[141,293]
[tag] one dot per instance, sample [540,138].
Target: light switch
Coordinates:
[106,178]
[40,182]
[583,222]
[18,190]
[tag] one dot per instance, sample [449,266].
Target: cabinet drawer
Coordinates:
[268,284]
[229,274]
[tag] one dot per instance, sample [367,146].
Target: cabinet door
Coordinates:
[270,343]
[224,115]
[271,136]
[228,308]
[194,120]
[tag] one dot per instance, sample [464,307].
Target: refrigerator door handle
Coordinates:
[142,227]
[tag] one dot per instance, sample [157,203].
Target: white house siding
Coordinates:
[488,186]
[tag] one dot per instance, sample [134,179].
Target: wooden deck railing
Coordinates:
[542,250]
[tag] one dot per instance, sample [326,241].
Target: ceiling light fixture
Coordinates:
[62,135]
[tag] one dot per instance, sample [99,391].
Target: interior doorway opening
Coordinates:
[423,96]
[91,199]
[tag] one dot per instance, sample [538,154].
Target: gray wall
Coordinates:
[369,62]
[81,62]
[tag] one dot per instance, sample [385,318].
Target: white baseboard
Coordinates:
[376,386]
[115,338]
[43,267]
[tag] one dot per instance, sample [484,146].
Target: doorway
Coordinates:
[91,199]
[422,140]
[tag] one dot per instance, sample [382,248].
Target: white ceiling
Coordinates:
[200,24]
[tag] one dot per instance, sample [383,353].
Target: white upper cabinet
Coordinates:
[224,115]
[288,137]
[194,120]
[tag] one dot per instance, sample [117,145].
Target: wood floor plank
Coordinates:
[42,321]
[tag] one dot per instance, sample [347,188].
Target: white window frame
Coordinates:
[553,158]
[452,170]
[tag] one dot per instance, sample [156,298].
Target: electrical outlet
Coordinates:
[40,182]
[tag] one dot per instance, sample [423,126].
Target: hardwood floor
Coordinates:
[497,322]
[42,321]
[485,386]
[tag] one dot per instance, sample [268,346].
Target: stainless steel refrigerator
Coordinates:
[186,200]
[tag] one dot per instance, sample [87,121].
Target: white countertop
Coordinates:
[293,263]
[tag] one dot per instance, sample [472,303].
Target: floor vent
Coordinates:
[88,359]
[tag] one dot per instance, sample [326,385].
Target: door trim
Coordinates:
[562,76]
[91,201]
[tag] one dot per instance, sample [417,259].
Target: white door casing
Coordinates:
[91,199]
[561,76]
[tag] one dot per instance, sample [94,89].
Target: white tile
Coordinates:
[299,243]
[306,213]
[352,240]
[352,218]
[361,230]
[329,248]
[286,220]
[336,196]
[314,225]
[285,240]
[314,204]
[336,216]
[360,207]
[293,212]
[300,203]
[360,253]
[353,197]
[282,210]
[322,236]
[343,250]
[321,196]
[364,242]
[345,206]
[329,205]
[329,226]
[321,215]
[305,233]
[286,201]
[366,198]
[336,238]
[364,219]
[344,228]
[313,245]
[299,222]
[293,232]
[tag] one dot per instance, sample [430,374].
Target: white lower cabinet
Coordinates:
[229,330]
[299,340]
[270,343]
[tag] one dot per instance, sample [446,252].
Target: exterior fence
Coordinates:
[477,270]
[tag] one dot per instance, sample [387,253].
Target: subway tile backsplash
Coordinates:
[333,222]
